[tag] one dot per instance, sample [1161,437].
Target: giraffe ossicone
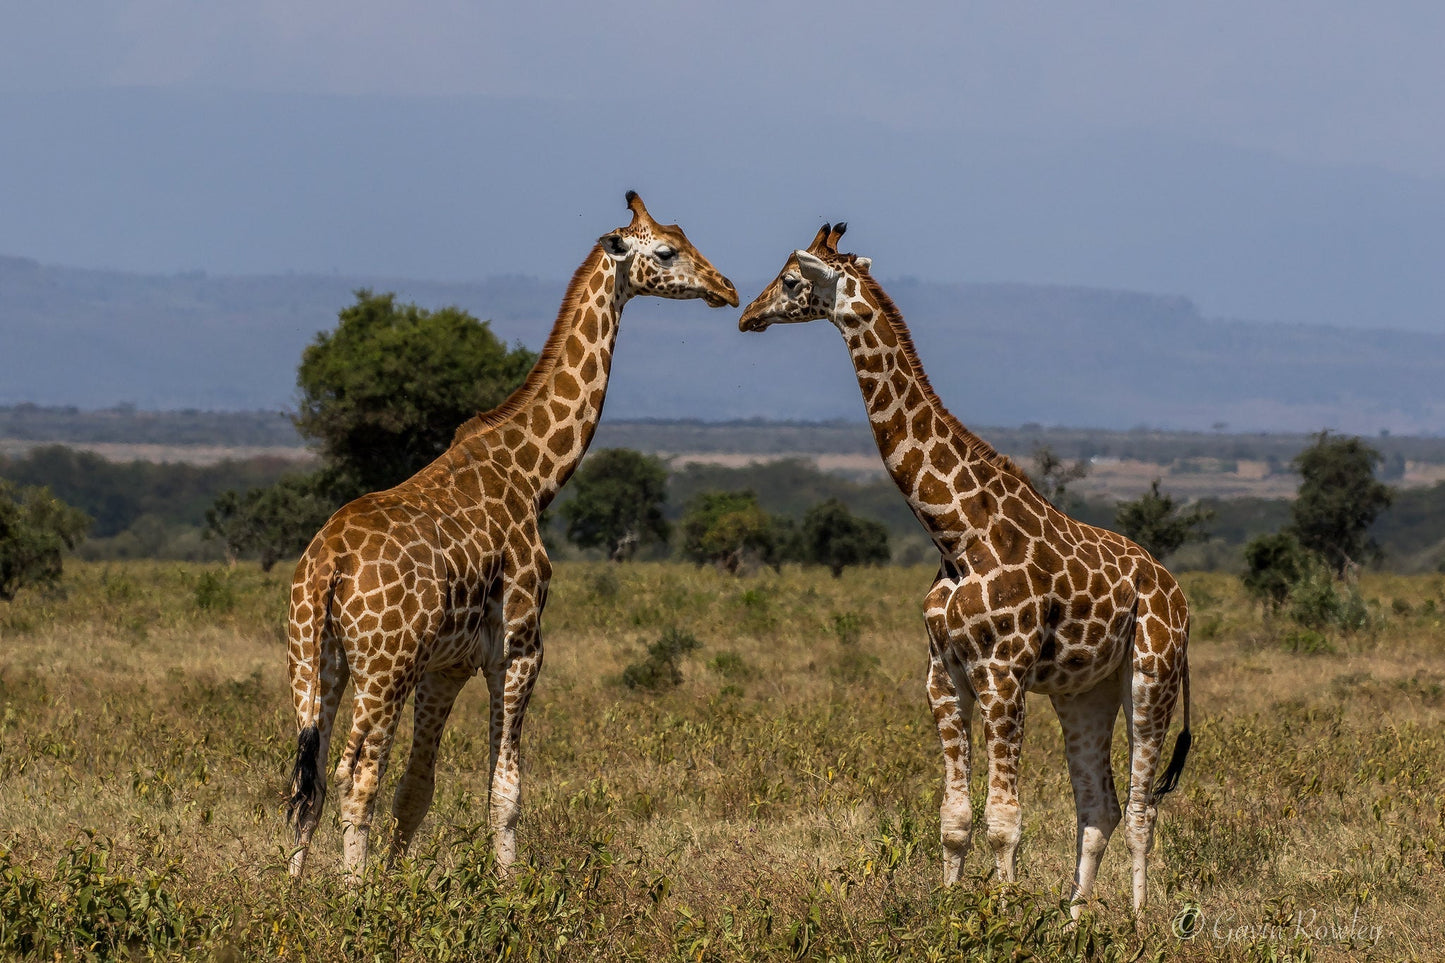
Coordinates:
[1026,598]
[417,588]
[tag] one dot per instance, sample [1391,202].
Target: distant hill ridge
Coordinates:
[998,353]
[25,425]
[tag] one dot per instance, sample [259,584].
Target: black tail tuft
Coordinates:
[306,790]
[1170,780]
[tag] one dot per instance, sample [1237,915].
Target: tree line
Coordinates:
[382,394]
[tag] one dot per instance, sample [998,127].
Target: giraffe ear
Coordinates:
[815,269]
[616,245]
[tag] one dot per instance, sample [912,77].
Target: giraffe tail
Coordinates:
[308,789]
[1170,780]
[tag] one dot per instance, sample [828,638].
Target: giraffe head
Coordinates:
[815,283]
[659,260]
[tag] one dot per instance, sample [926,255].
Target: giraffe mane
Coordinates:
[547,358]
[975,444]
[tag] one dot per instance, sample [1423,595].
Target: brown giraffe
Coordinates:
[1026,598]
[417,588]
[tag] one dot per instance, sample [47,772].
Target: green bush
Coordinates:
[729,665]
[1317,601]
[214,592]
[847,627]
[1274,563]
[88,910]
[835,538]
[658,669]
[36,529]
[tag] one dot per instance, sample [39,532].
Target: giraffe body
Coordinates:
[1026,599]
[415,589]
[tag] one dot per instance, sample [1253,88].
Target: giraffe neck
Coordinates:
[950,476]
[548,422]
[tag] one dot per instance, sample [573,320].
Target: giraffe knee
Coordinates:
[956,824]
[1094,839]
[1140,830]
[1005,828]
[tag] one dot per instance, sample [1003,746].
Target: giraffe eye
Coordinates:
[664,253]
[791,282]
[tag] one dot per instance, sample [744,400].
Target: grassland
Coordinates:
[781,803]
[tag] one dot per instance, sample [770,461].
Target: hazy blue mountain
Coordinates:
[160,180]
[999,354]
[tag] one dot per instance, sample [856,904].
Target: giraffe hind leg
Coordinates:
[436,692]
[1149,704]
[1001,707]
[313,749]
[363,766]
[1087,720]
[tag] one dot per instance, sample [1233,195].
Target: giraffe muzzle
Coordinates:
[754,322]
[728,296]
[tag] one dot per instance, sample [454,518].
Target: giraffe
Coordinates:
[1026,598]
[416,588]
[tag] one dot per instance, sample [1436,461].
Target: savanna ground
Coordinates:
[781,803]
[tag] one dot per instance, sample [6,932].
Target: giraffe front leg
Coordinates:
[510,688]
[436,692]
[1001,707]
[952,706]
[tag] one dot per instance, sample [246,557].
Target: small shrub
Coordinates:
[854,665]
[1319,602]
[604,585]
[1274,565]
[1306,641]
[729,665]
[758,615]
[848,627]
[1208,626]
[658,669]
[119,588]
[214,592]
[89,910]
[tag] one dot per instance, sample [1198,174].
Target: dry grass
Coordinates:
[780,803]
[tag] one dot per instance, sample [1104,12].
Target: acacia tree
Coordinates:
[724,528]
[382,395]
[1339,499]
[36,529]
[1158,524]
[833,536]
[615,502]
[275,522]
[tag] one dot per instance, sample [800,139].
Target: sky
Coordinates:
[1330,110]
[1328,80]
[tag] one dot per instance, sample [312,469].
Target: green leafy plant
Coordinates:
[658,668]
[727,528]
[614,502]
[36,529]
[835,538]
[1158,524]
